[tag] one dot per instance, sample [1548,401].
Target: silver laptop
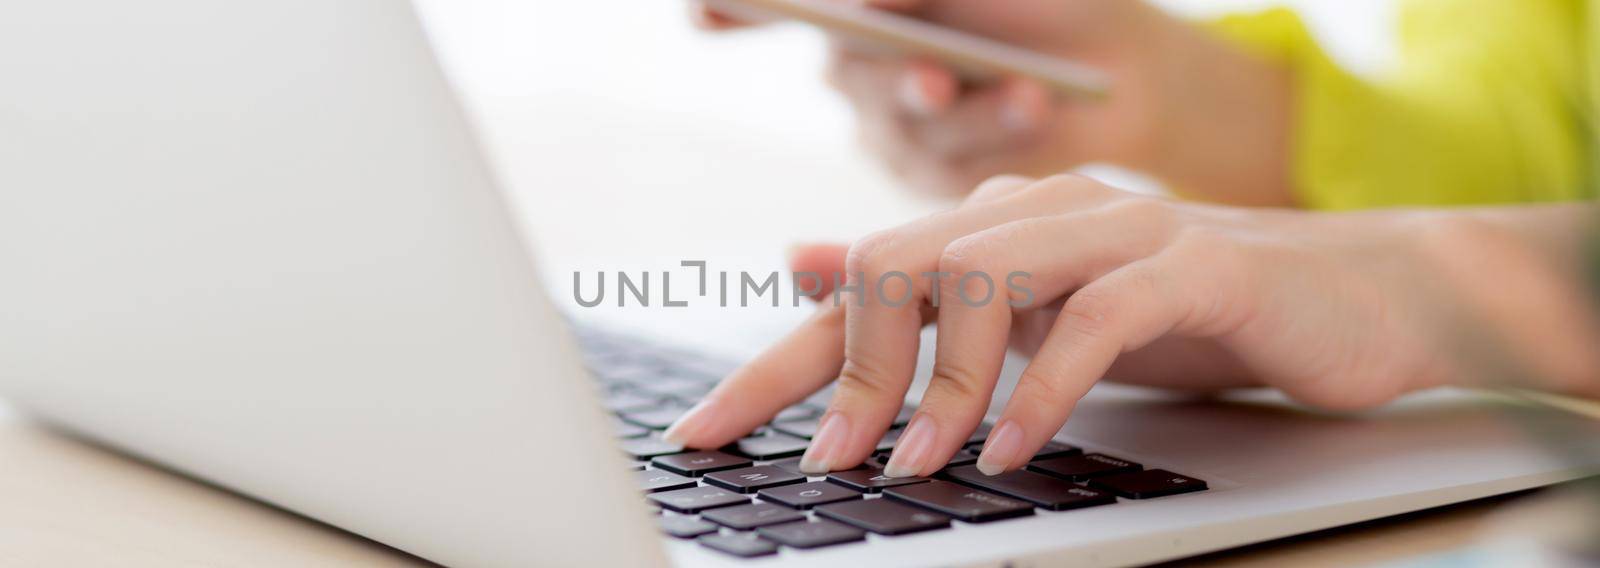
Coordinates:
[256,242]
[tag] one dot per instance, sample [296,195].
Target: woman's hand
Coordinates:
[1341,311]
[1206,118]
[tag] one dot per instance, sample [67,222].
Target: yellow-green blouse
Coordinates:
[1492,101]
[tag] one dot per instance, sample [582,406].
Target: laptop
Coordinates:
[257,243]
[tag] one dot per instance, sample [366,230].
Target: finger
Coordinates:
[1123,311]
[710,19]
[883,316]
[987,121]
[999,187]
[1028,105]
[818,266]
[926,88]
[786,373]
[986,278]
[867,80]
[973,322]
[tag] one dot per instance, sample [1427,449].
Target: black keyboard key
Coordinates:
[1081,468]
[656,480]
[797,412]
[625,430]
[1050,450]
[808,495]
[791,465]
[888,440]
[675,386]
[871,479]
[814,534]
[802,428]
[741,545]
[699,367]
[1147,484]
[904,417]
[624,371]
[753,479]
[821,398]
[963,457]
[959,501]
[980,435]
[746,517]
[628,401]
[1042,490]
[771,446]
[684,527]
[696,464]
[649,447]
[656,418]
[688,394]
[884,517]
[1055,450]
[696,499]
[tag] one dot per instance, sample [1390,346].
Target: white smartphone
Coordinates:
[972,56]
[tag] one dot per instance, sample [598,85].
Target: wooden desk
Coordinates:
[64,502]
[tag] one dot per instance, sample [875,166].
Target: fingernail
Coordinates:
[911,452]
[831,437]
[691,423]
[1024,106]
[1001,449]
[701,14]
[913,96]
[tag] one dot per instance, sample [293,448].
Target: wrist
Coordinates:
[1518,303]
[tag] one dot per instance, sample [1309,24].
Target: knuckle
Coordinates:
[1204,254]
[969,253]
[954,385]
[871,254]
[998,186]
[1045,388]
[1067,184]
[1192,240]
[864,382]
[1143,210]
[1090,311]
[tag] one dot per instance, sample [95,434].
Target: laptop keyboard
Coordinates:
[750,499]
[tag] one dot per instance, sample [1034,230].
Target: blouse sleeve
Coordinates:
[1488,104]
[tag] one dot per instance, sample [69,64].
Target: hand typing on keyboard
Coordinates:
[1338,311]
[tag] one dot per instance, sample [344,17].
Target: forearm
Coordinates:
[1227,139]
[1566,231]
[1521,283]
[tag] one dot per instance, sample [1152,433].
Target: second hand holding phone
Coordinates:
[971,56]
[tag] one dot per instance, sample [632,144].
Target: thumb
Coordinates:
[822,259]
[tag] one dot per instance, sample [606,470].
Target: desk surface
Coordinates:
[71,503]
